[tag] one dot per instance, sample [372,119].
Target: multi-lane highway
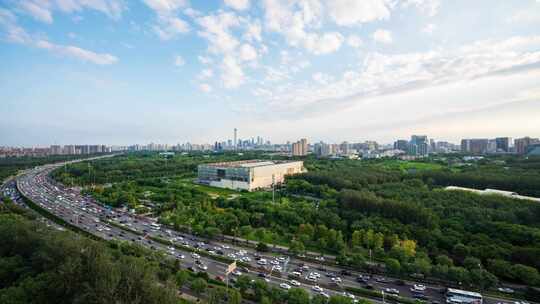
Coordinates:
[87,214]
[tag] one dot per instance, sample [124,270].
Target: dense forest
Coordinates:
[390,212]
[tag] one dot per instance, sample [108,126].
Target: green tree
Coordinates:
[199,286]
[297,296]
[393,266]
[182,277]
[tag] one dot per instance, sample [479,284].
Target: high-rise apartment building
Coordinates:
[300,148]
[401,144]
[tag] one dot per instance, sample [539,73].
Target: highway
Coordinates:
[87,214]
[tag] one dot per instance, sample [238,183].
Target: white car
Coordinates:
[505,290]
[295,283]
[274,262]
[278,268]
[195,256]
[202,266]
[285,286]
[336,280]
[317,288]
[296,273]
[324,294]
[237,273]
[262,262]
[418,287]
[391,291]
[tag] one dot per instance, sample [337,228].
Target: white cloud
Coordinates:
[323,44]
[352,12]
[238,4]
[253,31]
[247,52]
[205,87]
[204,59]
[382,36]
[232,74]
[429,28]
[179,61]
[205,74]
[298,22]
[41,13]
[76,52]
[354,41]
[168,25]
[216,29]
[165,7]
[427,7]
[322,78]
[382,74]
[11,31]
[42,10]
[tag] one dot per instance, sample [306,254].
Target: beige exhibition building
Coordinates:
[247,174]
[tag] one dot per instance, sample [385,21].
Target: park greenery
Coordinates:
[375,215]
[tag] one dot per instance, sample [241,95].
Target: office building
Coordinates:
[503,144]
[418,145]
[522,144]
[474,146]
[248,174]
[401,144]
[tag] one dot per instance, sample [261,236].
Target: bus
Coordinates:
[457,296]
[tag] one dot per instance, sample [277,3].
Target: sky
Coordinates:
[173,71]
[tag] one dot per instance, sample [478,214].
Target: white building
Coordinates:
[248,174]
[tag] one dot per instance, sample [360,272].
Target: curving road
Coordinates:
[87,214]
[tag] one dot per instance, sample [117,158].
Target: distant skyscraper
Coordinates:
[300,148]
[503,144]
[401,144]
[475,146]
[419,145]
[235,142]
[522,144]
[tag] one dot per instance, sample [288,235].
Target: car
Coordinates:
[336,280]
[285,286]
[330,274]
[324,294]
[295,283]
[320,258]
[262,275]
[382,280]
[368,286]
[345,272]
[296,273]
[362,279]
[505,290]
[202,266]
[317,288]
[420,296]
[237,273]
[311,278]
[195,256]
[418,288]
[391,291]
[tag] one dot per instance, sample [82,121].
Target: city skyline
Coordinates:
[169,71]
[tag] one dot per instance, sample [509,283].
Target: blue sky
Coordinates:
[169,71]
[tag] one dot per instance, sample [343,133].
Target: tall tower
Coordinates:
[235,143]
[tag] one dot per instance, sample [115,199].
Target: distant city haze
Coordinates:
[169,72]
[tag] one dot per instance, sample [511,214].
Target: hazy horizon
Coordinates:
[171,71]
